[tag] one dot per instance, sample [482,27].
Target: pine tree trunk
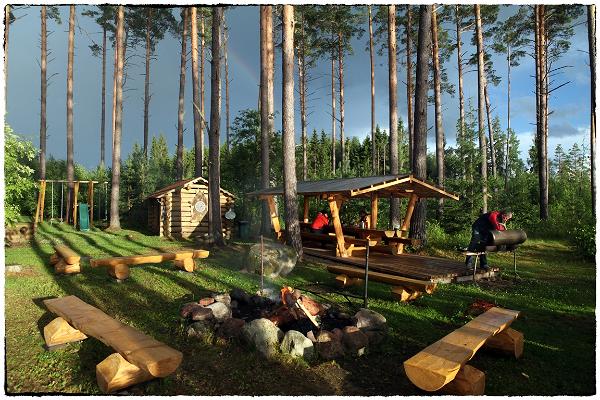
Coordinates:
[202,120]
[6,35]
[372,57]
[461,96]
[409,87]
[481,108]
[44,85]
[147,80]
[103,112]
[332,114]
[506,166]
[490,132]
[591,15]
[439,128]
[181,109]
[341,83]
[266,40]
[214,163]
[70,166]
[302,84]
[227,120]
[419,167]
[543,151]
[115,222]
[393,111]
[196,93]
[290,204]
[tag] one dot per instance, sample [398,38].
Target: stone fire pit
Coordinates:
[278,322]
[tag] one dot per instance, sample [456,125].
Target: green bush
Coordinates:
[583,235]
[18,175]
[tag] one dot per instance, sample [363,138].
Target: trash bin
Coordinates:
[243,230]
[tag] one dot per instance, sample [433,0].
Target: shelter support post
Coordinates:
[306,208]
[374,205]
[412,201]
[75,201]
[91,202]
[274,216]
[337,225]
[40,203]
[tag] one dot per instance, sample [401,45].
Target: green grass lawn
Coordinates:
[556,295]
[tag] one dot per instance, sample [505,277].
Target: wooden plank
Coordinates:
[378,187]
[425,286]
[438,364]
[69,255]
[337,225]
[116,373]
[58,332]
[374,210]
[146,353]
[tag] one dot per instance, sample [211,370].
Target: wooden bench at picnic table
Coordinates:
[138,357]
[443,363]
[118,267]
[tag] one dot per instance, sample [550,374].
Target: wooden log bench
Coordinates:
[138,357]
[118,267]
[443,363]
[65,260]
[351,243]
[403,288]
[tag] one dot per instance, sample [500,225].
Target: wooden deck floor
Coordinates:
[435,269]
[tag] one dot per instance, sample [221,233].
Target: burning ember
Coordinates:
[288,319]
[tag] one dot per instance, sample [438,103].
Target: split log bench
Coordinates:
[403,288]
[443,363]
[118,267]
[65,260]
[138,357]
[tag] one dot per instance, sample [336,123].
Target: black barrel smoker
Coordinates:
[507,240]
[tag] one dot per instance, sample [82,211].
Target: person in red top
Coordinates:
[480,234]
[320,222]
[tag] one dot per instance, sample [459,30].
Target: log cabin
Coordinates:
[180,210]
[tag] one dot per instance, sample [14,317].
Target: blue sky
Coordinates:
[568,124]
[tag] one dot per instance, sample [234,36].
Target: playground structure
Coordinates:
[442,365]
[39,212]
[138,357]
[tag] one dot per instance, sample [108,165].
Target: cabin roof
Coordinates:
[383,186]
[182,184]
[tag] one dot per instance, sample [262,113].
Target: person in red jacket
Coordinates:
[480,234]
[321,222]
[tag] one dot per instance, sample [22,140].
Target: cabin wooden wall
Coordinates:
[176,220]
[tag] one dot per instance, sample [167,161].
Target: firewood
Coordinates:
[63,268]
[54,258]
[116,373]
[509,341]
[58,332]
[185,264]
[119,271]
[468,382]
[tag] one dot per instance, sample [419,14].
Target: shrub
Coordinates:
[18,175]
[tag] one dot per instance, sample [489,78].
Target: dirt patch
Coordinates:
[20,270]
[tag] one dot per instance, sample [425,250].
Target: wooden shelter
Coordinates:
[181,209]
[337,191]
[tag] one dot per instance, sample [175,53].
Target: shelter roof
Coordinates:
[384,186]
[182,184]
